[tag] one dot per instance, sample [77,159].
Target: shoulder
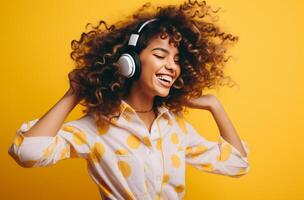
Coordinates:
[176,116]
[85,124]
[181,121]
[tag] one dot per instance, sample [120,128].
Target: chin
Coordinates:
[160,90]
[163,93]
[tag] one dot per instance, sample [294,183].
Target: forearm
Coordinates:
[226,128]
[50,123]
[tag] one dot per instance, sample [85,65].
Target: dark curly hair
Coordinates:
[191,26]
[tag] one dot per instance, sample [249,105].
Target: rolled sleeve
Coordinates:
[219,157]
[35,151]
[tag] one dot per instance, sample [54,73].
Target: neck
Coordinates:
[139,100]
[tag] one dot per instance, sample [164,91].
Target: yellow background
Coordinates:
[266,110]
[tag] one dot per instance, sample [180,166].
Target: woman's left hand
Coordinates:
[207,102]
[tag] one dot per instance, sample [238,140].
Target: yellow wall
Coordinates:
[266,109]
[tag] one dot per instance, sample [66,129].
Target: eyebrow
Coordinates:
[164,50]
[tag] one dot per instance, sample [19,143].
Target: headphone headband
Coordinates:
[129,61]
[134,36]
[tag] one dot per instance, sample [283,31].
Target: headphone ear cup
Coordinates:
[136,59]
[126,65]
[129,64]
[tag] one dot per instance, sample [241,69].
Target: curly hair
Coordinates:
[191,26]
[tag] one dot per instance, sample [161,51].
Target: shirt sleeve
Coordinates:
[219,157]
[36,151]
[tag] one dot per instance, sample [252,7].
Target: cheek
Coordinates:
[149,67]
[178,71]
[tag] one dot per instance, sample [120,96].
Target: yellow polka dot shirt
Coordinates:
[125,160]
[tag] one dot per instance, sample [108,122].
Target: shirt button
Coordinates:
[150,151]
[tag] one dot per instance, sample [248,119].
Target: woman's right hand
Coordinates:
[73,85]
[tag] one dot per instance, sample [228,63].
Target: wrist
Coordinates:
[215,106]
[70,94]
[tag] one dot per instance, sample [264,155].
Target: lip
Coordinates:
[166,74]
[166,85]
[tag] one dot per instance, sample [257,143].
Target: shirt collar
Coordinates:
[162,110]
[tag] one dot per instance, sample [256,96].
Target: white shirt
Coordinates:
[125,160]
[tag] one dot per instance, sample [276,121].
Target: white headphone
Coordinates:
[129,62]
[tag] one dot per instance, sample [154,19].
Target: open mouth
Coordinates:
[164,80]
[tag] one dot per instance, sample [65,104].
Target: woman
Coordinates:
[135,78]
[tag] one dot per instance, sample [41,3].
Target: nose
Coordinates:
[171,65]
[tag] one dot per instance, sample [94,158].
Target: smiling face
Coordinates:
[159,68]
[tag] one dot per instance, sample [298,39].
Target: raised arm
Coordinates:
[226,128]
[50,123]
[47,140]
[228,155]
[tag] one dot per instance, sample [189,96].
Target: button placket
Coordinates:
[150,151]
[158,179]
[154,134]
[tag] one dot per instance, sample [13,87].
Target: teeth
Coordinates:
[165,77]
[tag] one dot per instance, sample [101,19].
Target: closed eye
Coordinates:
[158,56]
